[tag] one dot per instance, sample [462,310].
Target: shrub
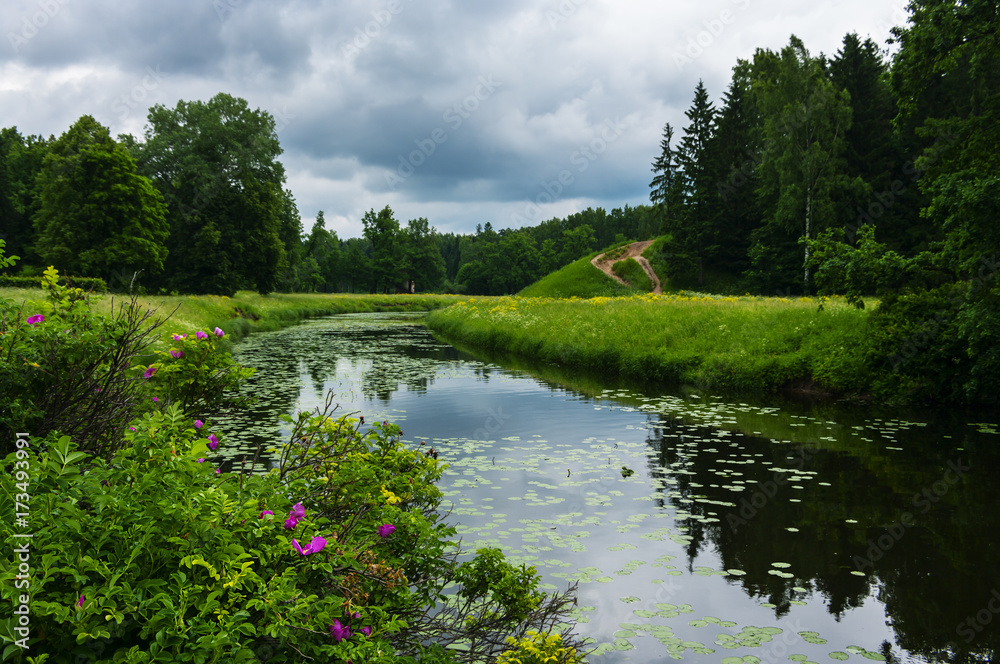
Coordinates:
[94,284]
[195,374]
[537,648]
[158,555]
[66,368]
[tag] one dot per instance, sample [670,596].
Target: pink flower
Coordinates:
[180,337]
[198,424]
[37,318]
[218,471]
[339,632]
[155,399]
[176,353]
[201,335]
[131,428]
[219,332]
[149,372]
[201,461]
[315,546]
[79,602]
[213,442]
[367,631]
[265,513]
[297,514]
[385,530]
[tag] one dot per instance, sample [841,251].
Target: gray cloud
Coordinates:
[462,112]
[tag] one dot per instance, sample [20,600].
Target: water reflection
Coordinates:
[868,534]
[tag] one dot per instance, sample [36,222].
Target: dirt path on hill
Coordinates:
[633,250]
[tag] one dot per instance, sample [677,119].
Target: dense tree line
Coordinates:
[199,205]
[857,174]
[800,143]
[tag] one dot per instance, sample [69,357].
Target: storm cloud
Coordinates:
[461,112]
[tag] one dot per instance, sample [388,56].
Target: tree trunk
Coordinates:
[805,281]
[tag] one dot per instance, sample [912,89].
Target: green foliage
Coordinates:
[5,260]
[630,270]
[695,233]
[66,368]
[95,284]
[98,216]
[867,268]
[216,164]
[195,374]
[21,159]
[801,171]
[188,565]
[506,591]
[538,648]
[382,230]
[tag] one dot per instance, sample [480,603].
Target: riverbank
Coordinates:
[725,344]
[248,312]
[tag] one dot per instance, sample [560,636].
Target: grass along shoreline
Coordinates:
[731,344]
[249,312]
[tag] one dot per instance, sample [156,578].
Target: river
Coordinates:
[699,528]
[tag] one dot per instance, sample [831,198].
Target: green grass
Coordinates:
[630,270]
[248,312]
[728,344]
[578,279]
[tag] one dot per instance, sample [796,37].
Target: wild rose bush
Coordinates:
[64,367]
[195,373]
[159,555]
[146,549]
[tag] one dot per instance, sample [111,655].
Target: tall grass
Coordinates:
[732,344]
[248,311]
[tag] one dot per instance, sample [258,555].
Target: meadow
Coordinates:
[731,344]
[248,311]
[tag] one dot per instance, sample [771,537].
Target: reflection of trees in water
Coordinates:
[932,576]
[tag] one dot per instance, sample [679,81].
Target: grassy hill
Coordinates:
[579,279]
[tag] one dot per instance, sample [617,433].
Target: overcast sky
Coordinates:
[507,111]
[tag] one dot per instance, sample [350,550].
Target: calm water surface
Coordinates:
[746,531]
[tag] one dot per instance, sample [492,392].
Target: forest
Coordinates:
[865,173]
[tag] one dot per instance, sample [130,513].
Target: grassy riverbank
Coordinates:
[249,312]
[719,343]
